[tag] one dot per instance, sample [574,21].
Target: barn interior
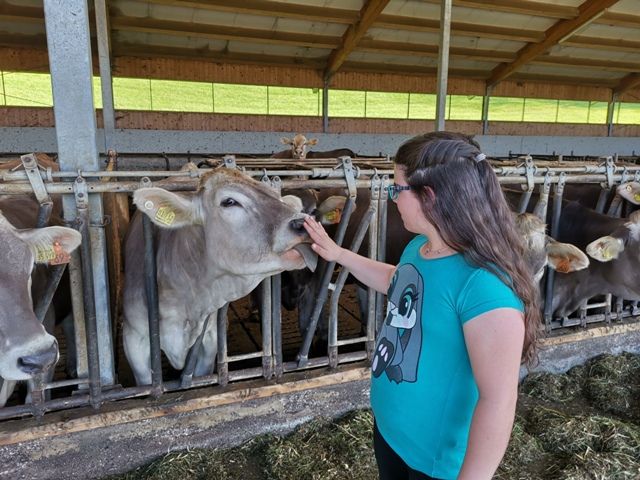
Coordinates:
[468,61]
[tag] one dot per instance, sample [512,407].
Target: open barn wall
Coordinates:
[29,139]
[146,120]
[35,60]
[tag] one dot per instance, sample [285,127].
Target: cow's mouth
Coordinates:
[308,255]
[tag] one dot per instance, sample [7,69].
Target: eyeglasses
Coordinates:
[394,190]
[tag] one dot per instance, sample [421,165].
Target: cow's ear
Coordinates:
[330,211]
[293,201]
[605,249]
[565,258]
[630,191]
[166,209]
[285,140]
[51,245]
[312,142]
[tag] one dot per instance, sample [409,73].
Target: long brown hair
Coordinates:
[471,215]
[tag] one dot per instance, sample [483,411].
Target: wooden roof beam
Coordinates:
[629,82]
[368,15]
[588,11]
[523,7]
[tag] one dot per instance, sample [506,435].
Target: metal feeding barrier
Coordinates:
[549,178]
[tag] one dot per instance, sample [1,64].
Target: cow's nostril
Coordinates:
[297,224]
[38,362]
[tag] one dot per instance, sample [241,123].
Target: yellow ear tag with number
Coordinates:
[333,216]
[165,215]
[607,254]
[45,255]
[53,255]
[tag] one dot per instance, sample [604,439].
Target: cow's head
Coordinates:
[610,247]
[248,228]
[299,145]
[630,191]
[542,250]
[26,349]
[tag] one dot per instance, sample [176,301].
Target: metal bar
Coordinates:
[338,286]
[265,315]
[485,110]
[377,251]
[153,307]
[555,223]
[443,63]
[611,106]
[276,323]
[104,61]
[325,107]
[223,360]
[55,274]
[88,294]
[324,283]
[245,356]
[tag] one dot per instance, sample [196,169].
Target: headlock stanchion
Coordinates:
[270,362]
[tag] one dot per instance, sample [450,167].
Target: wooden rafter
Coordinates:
[599,43]
[605,65]
[368,14]
[588,11]
[629,82]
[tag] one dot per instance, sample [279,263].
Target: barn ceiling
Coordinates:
[593,42]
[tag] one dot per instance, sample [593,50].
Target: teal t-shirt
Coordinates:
[423,393]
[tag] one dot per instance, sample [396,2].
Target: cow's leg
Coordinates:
[138,352]
[206,358]
[6,391]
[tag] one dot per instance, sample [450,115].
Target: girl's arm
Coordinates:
[494,341]
[376,275]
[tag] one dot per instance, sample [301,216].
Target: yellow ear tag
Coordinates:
[165,215]
[333,216]
[45,255]
[53,255]
[606,253]
[636,197]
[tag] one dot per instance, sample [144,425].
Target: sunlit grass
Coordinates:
[33,89]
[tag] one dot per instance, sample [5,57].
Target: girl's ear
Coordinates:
[431,195]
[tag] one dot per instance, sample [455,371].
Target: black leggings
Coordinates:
[390,465]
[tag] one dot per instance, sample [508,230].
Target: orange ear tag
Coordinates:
[563,266]
[61,255]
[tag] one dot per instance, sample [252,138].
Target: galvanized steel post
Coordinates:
[69,47]
[104,59]
[443,63]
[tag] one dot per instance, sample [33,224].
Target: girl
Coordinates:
[462,314]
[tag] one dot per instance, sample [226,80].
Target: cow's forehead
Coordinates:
[221,177]
[15,255]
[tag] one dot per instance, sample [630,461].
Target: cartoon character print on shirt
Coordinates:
[400,340]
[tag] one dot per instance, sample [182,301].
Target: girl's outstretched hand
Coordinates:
[323,245]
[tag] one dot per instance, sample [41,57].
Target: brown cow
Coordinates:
[213,246]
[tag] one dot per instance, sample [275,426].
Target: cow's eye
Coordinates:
[229,202]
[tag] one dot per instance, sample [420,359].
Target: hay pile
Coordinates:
[582,425]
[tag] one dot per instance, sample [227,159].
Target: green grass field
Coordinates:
[29,89]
